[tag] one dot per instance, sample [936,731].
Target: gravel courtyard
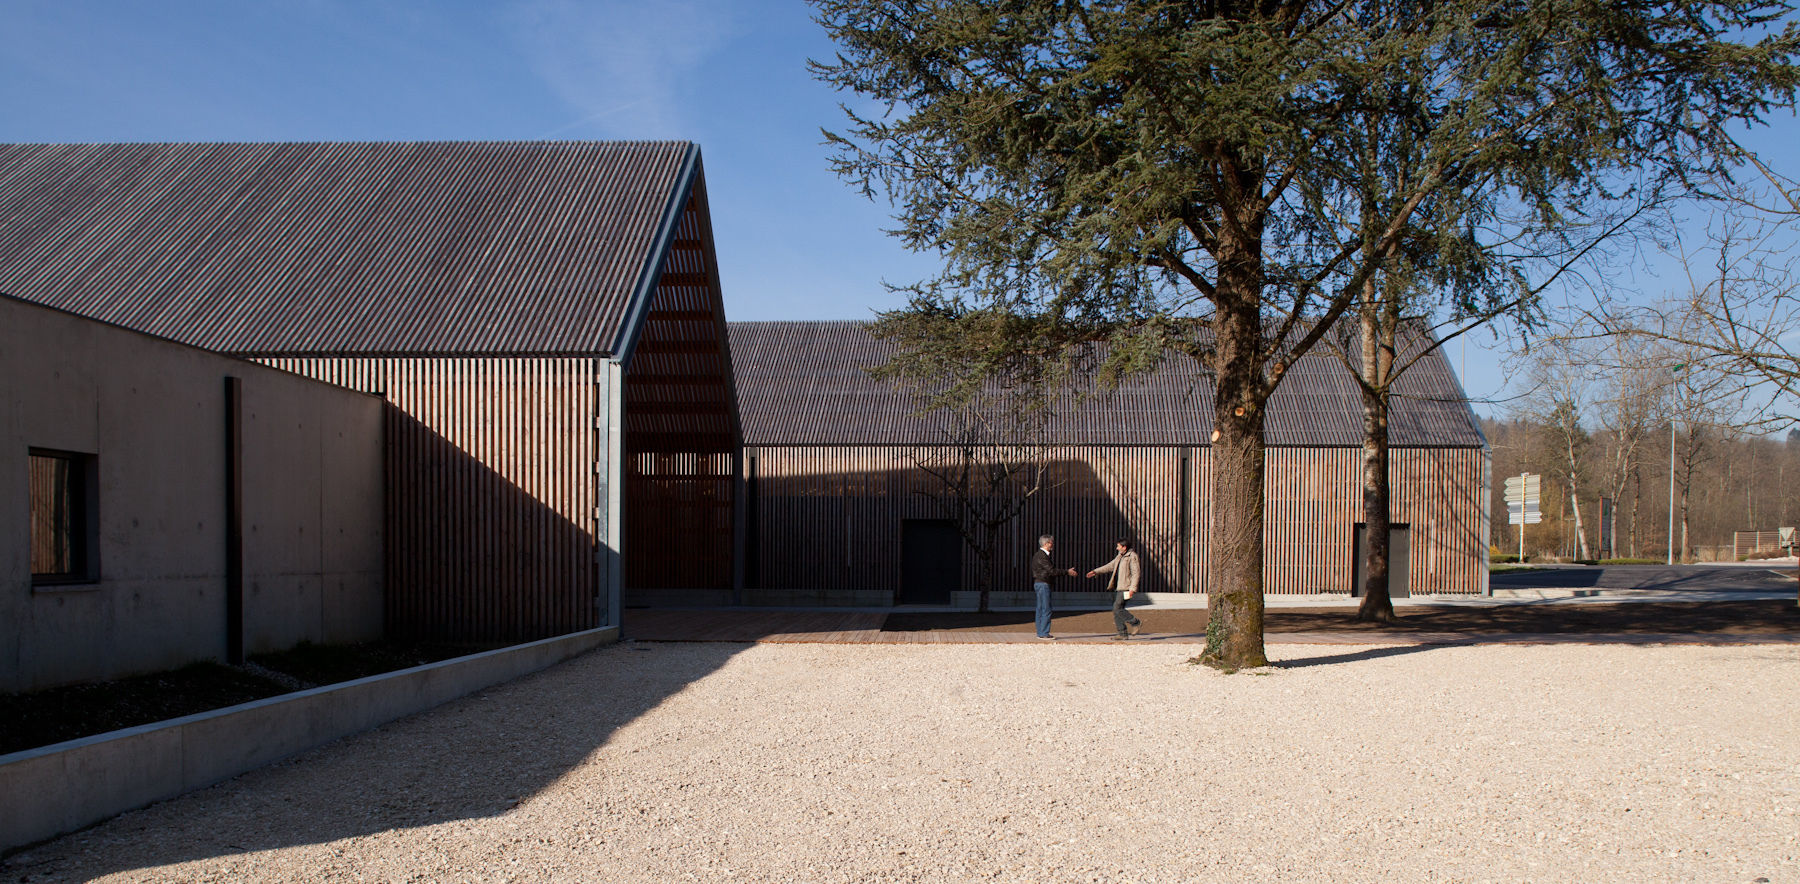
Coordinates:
[1042,762]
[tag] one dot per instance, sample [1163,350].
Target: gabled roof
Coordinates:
[806,383]
[389,248]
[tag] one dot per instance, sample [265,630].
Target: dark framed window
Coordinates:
[64,518]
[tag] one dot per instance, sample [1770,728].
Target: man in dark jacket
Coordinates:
[1042,572]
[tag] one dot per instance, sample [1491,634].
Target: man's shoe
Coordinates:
[1046,637]
[1133,628]
[1121,637]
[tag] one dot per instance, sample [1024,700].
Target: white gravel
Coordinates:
[1043,762]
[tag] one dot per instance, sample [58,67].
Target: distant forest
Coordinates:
[1725,482]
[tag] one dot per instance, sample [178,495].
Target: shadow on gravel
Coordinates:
[1361,656]
[476,757]
[1691,578]
[1723,617]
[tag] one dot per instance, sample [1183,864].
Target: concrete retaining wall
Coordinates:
[60,788]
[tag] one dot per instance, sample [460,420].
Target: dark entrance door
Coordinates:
[930,561]
[1399,577]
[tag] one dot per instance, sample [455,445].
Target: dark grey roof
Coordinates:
[805,383]
[513,247]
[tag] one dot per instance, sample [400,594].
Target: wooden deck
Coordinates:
[713,625]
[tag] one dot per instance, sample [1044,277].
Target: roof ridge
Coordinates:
[511,142]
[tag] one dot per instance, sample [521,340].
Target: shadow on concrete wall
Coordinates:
[842,530]
[472,556]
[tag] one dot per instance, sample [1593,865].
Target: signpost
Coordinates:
[1523,493]
[1788,542]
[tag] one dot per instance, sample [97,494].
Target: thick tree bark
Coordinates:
[1377,604]
[1234,631]
[1380,323]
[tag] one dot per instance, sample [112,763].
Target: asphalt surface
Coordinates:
[1725,617]
[1653,578]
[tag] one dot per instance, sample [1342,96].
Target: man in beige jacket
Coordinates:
[1124,584]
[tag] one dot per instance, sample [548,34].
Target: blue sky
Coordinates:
[794,241]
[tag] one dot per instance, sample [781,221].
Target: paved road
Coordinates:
[1652,578]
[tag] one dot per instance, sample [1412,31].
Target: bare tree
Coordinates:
[1630,414]
[990,462]
[1740,313]
[1561,393]
[1705,402]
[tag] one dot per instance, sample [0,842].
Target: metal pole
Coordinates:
[1674,370]
[1523,479]
[1671,559]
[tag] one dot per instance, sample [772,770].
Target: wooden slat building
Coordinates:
[836,489]
[542,318]
[568,416]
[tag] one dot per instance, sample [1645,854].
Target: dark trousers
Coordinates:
[1121,617]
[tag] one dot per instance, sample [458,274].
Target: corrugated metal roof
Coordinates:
[806,383]
[431,247]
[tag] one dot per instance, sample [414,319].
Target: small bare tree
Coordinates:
[1630,414]
[1740,313]
[1706,404]
[1561,388]
[990,462]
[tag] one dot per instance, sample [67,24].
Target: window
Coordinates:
[63,522]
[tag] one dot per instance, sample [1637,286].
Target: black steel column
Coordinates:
[1183,521]
[234,521]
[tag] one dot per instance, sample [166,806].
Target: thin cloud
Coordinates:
[623,66]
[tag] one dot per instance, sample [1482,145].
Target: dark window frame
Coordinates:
[84,528]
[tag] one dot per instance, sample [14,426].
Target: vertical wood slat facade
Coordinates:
[52,509]
[829,518]
[679,533]
[491,501]
[682,432]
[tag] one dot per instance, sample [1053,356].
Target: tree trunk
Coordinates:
[1685,552]
[1377,604]
[1637,496]
[1234,630]
[1380,322]
[1581,544]
[990,567]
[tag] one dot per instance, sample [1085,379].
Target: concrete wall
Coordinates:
[60,788]
[153,415]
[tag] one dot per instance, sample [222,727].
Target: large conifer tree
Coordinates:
[1185,176]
